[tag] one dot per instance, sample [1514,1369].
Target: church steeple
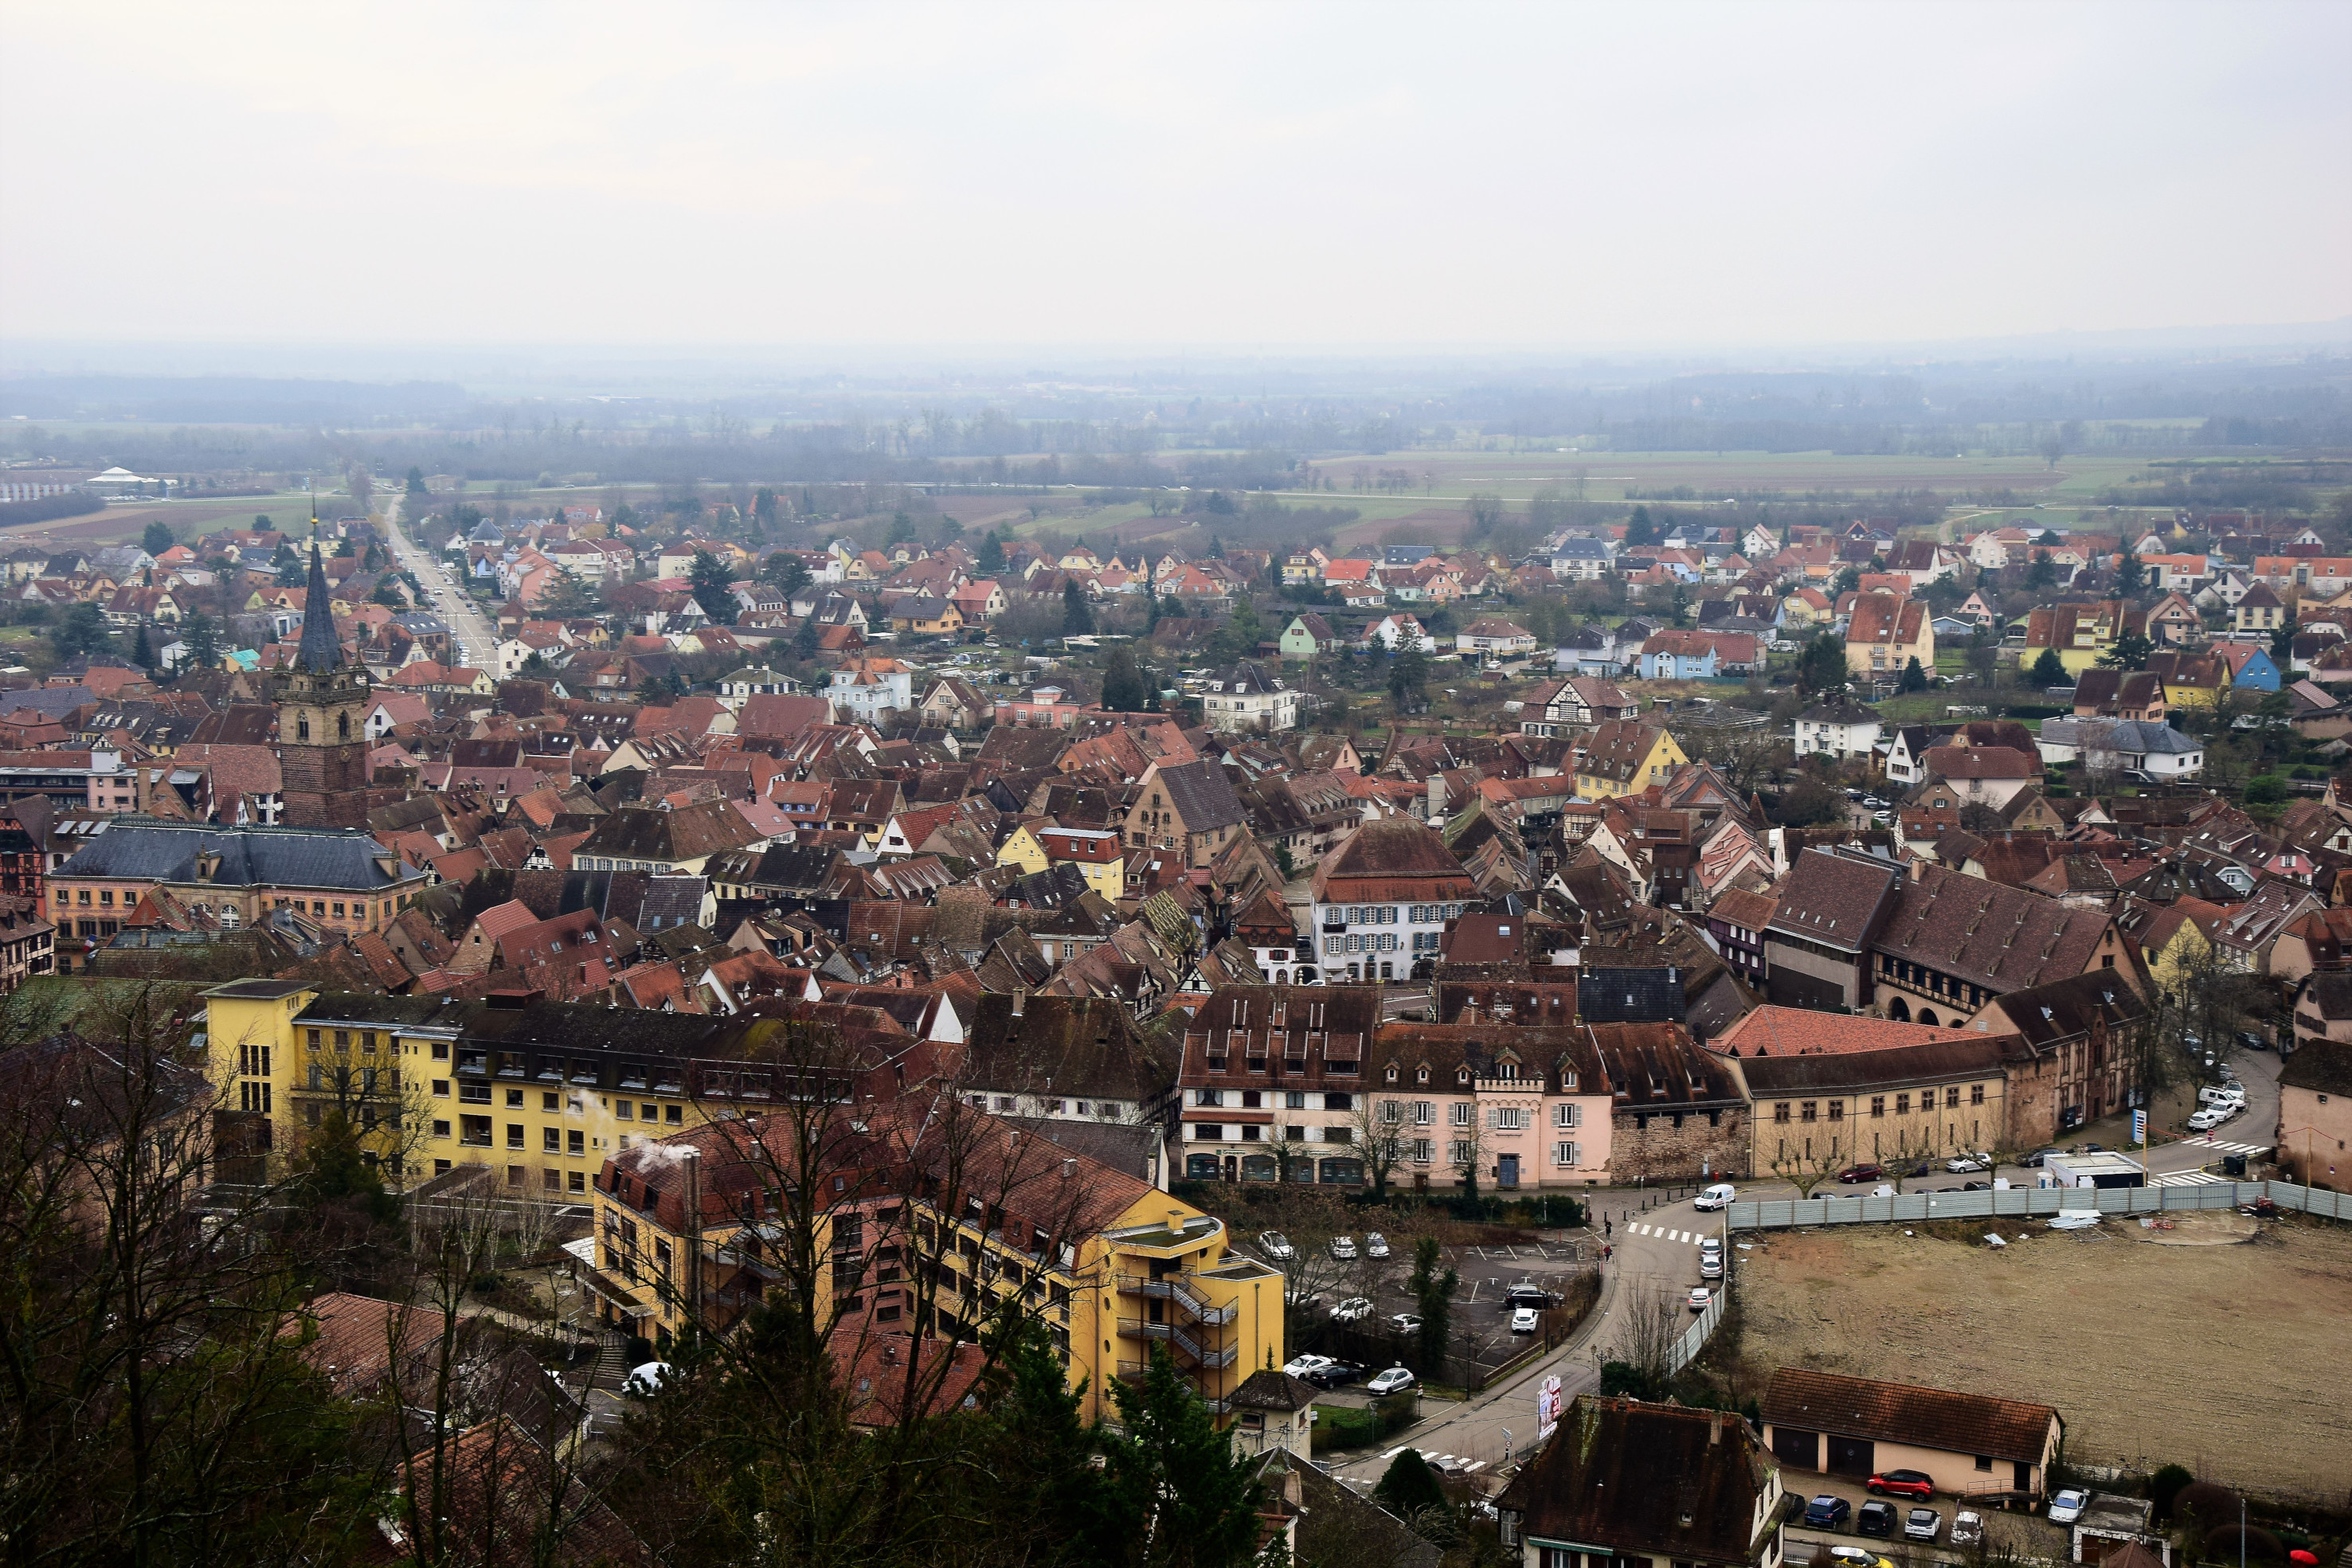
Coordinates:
[321,650]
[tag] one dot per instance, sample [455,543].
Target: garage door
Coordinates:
[1802,1449]
[1852,1456]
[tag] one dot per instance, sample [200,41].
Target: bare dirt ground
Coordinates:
[2229,1359]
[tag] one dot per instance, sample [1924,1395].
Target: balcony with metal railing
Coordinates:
[1202,1355]
[1176,1288]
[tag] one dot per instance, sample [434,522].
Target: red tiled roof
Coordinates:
[1795,1032]
[1974,1424]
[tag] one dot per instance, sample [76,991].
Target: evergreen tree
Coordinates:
[416,481]
[1639,529]
[334,1169]
[711,585]
[1434,1292]
[2042,573]
[805,639]
[1409,680]
[1063,1498]
[1409,1487]
[81,631]
[786,570]
[2130,575]
[1192,1498]
[143,654]
[1821,666]
[203,639]
[992,555]
[1168,608]
[2282,643]
[1122,685]
[2130,652]
[2050,670]
[156,538]
[1915,679]
[1077,615]
[566,597]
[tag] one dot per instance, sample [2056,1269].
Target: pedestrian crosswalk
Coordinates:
[1640,1228]
[1449,1463]
[2185,1178]
[2223,1146]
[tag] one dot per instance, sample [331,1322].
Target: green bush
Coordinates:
[2267,790]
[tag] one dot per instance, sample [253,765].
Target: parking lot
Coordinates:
[1481,1322]
[2028,1534]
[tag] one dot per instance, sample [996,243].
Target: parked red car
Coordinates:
[1852,1174]
[1904,1483]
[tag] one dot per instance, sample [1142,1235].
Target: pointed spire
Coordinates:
[321,650]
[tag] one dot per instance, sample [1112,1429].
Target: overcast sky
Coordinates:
[1560,175]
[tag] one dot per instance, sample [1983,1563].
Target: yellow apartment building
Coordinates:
[1112,1266]
[544,1092]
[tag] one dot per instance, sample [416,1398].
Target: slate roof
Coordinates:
[142,849]
[1244,679]
[2002,938]
[1973,1424]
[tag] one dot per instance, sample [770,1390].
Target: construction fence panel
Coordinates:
[2030,1203]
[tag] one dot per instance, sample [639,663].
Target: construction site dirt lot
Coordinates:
[2229,1359]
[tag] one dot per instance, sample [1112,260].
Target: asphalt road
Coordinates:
[476,638]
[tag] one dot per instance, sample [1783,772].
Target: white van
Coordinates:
[1719,1196]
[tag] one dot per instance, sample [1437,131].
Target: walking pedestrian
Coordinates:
[1605,1232]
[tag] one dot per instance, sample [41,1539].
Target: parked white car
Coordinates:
[1523,1319]
[1343,1248]
[1355,1309]
[1276,1246]
[1962,1165]
[1719,1196]
[1300,1365]
[1395,1380]
[2221,1094]
[2212,1116]
[2067,1506]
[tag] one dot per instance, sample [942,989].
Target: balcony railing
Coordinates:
[1134,1328]
[1172,1288]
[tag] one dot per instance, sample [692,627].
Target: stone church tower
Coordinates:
[322,705]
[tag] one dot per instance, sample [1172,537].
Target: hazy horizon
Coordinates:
[936,184]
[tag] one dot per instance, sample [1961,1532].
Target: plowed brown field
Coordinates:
[2235,1361]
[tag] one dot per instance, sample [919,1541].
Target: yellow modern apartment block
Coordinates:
[1112,1266]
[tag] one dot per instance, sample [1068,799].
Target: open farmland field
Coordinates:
[124,523]
[2227,1359]
[1609,474]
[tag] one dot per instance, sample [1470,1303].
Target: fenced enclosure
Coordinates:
[2033,1203]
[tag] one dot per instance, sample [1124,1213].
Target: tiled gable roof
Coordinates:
[1907,1412]
[2001,938]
